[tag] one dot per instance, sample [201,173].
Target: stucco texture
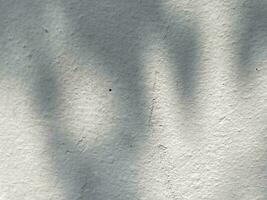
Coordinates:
[133,100]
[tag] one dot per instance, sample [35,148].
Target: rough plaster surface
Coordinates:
[133,99]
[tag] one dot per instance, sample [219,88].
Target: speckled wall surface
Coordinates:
[133,99]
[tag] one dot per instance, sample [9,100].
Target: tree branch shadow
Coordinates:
[252,38]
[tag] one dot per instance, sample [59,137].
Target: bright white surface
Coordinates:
[185,117]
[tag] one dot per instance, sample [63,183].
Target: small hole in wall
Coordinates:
[110,90]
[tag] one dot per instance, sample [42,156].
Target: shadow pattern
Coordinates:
[115,32]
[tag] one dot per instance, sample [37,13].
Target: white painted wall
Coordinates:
[133,99]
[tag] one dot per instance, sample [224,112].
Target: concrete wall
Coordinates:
[133,99]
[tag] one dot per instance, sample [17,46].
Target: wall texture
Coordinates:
[133,100]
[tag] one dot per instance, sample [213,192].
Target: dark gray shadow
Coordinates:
[252,38]
[184,52]
[115,32]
